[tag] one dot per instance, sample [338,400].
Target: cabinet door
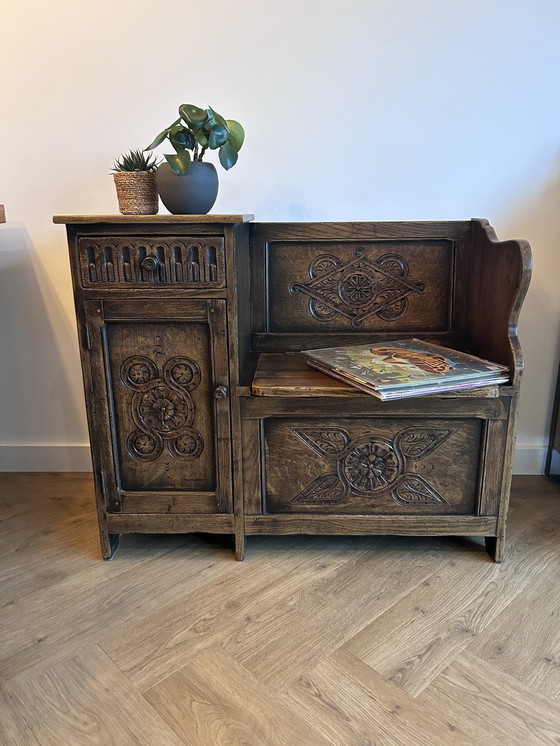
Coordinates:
[159,413]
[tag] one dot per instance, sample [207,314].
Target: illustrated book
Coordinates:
[406,367]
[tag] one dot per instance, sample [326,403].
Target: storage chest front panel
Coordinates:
[403,466]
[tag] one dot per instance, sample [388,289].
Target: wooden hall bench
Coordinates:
[309,440]
[204,416]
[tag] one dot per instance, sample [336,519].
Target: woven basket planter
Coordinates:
[137,192]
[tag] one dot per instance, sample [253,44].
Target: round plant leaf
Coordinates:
[236,134]
[218,136]
[162,135]
[182,139]
[218,117]
[193,115]
[179,163]
[159,139]
[228,156]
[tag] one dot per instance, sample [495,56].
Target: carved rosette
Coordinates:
[162,408]
[366,467]
[358,287]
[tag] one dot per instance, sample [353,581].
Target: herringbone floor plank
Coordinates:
[312,640]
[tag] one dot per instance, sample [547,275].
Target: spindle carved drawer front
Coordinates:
[127,261]
[371,466]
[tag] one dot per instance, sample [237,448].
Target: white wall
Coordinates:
[363,109]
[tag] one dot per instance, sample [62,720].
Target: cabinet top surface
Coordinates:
[150,219]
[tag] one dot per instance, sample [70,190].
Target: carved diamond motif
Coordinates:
[358,287]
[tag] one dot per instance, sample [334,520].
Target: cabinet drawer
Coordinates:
[127,261]
[369,466]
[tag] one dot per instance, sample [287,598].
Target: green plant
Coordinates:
[197,130]
[135,160]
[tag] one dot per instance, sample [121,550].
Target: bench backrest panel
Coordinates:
[329,281]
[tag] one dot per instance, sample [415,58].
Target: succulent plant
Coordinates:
[197,130]
[135,160]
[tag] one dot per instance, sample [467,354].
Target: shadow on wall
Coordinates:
[538,220]
[40,396]
[283,203]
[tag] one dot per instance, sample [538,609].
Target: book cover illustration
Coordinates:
[404,364]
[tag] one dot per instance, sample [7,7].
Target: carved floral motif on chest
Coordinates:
[367,466]
[129,262]
[162,408]
[358,287]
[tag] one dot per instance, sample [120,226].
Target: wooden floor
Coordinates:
[311,640]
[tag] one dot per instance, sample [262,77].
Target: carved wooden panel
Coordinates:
[380,465]
[161,402]
[371,285]
[137,262]
[165,410]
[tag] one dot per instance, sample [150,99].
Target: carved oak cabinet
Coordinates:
[203,415]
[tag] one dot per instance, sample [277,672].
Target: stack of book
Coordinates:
[406,367]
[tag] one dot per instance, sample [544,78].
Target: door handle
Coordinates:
[220,392]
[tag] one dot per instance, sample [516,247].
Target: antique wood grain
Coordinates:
[128,261]
[96,390]
[164,430]
[252,443]
[166,523]
[426,406]
[144,220]
[410,525]
[288,374]
[166,310]
[239,351]
[330,286]
[490,489]
[501,272]
[351,231]
[168,502]
[296,341]
[204,295]
[371,467]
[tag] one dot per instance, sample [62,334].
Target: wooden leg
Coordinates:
[495,546]
[109,545]
[239,547]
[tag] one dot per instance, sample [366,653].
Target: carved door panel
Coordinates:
[371,466]
[163,408]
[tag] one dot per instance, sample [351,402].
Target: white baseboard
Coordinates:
[528,459]
[45,458]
